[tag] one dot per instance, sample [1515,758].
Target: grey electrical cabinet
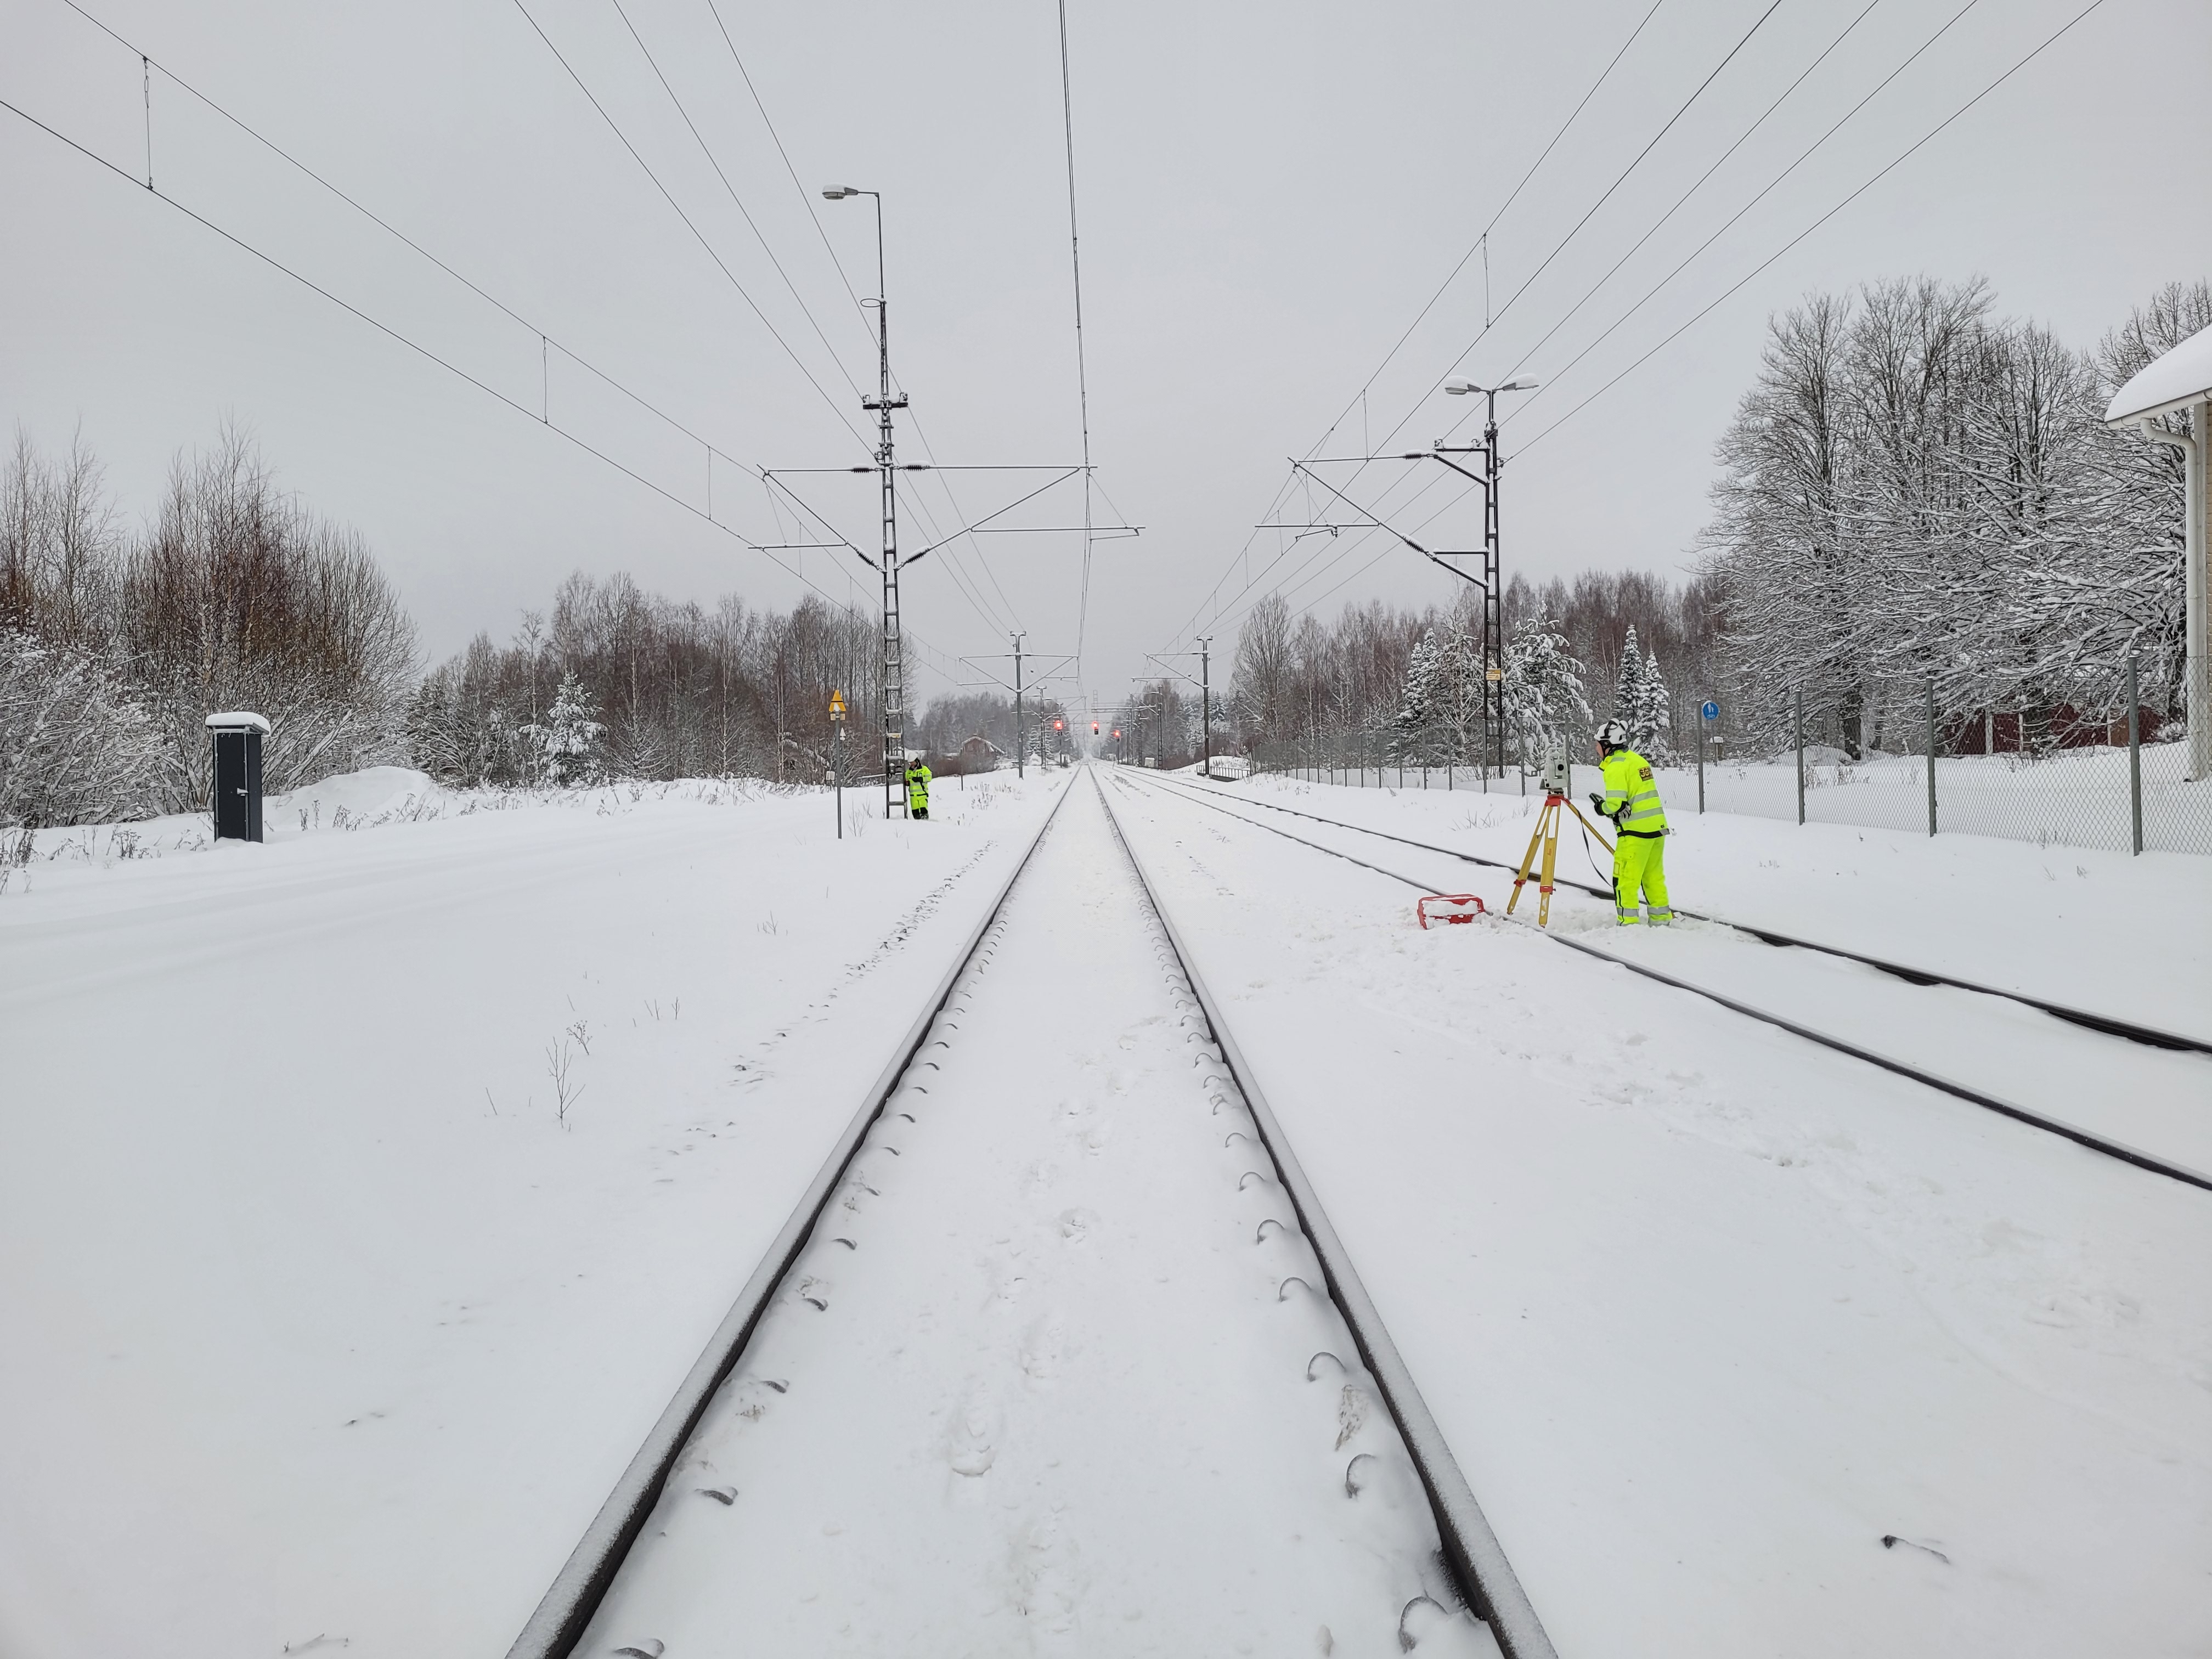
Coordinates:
[236,807]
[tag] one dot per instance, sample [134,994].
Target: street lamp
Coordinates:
[1493,629]
[882,404]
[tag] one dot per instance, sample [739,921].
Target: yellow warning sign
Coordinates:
[836,705]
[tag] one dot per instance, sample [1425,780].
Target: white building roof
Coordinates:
[2167,383]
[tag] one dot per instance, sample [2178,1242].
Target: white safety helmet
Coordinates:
[1614,735]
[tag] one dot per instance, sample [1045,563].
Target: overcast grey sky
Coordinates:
[1269,195]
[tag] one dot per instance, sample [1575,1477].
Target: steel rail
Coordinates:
[2095,1143]
[561,1617]
[2150,1035]
[1484,1577]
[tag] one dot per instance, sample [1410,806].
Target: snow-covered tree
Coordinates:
[568,741]
[1545,705]
[1628,685]
[1652,726]
[75,745]
[1423,702]
[1916,490]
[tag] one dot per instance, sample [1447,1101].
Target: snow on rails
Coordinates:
[1060,1334]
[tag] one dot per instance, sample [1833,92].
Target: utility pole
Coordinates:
[894,642]
[1493,627]
[1493,641]
[1206,706]
[1018,638]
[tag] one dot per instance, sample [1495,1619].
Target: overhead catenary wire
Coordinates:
[697,234]
[1082,372]
[1574,231]
[821,231]
[1491,319]
[546,339]
[420,349]
[2008,74]
[806,200]
[1482,243]
[960,578]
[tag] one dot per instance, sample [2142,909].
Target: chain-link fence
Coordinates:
[1886,755]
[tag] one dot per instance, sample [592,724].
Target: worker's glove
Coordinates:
[1598,804]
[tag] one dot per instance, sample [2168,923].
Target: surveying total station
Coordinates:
[1557,783]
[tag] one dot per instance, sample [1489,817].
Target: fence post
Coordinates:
[1931,753]
[1799,721]
[2134,761]
[1701,762]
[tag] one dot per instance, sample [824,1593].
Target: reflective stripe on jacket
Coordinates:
[1631,798]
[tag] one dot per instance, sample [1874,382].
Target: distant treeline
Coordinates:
[1915,494]
[116,644]
[1297,681]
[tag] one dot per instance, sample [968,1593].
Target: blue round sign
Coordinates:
[1711,711]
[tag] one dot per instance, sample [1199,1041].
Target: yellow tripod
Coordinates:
[1547,837]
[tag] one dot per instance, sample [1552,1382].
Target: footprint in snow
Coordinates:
[974,1435]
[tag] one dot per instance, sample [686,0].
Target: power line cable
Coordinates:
[960,581]
[1736,287]
[1082,375]
[1605,196]
[1803,156]
[735,200]
[1660,222]
[698,236]
[390,332]
[381,223]
[1479,244]
[1462,494]
[821,231]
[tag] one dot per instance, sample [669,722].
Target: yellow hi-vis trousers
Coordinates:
[1639,862]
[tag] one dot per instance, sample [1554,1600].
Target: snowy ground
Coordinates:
[321,1322]
[1031,1388]
[326,1325]
[1707,1313]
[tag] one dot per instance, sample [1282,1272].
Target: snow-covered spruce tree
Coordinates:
[568,741]
[1545,705]
[1651,728]
[1628,686]
[1413,727]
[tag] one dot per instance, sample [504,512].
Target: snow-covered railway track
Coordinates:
[2168,1087]
[2111,1024]
[1058,1354]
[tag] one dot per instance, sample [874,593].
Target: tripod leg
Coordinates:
[1545,816]
[1551,858]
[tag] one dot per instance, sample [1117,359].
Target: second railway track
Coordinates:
[2165,1090]
[1059,1355]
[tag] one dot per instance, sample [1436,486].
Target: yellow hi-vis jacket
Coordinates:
[917,785]
[1632,800]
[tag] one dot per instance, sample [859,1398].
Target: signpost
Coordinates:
[1707,715]
[837,765]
